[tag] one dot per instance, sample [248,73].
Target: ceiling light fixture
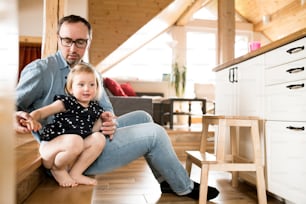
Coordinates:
[266,19]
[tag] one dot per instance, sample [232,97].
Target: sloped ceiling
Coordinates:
[286,16]
[122,27]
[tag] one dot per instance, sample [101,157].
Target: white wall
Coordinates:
[31,15]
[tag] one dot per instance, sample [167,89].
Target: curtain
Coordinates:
[27,53]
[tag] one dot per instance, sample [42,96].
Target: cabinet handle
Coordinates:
[232,75]
[295,70]
[295,50]
[296,128]
[295,86]
[235,74]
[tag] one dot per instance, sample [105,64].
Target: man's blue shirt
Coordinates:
[42,79]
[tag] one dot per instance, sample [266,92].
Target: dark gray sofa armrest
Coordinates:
[124,105]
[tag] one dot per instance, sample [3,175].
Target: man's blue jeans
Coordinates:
[138,136]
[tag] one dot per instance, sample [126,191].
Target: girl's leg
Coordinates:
[58,155]
[151,141]
[93,146]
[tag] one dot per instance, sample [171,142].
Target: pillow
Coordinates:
[128,89]
[114,87]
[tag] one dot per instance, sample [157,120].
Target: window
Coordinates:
[154,60]
[200,58]
[148,63]
[201,55]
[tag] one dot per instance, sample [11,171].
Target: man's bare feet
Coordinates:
[85,180]
[63,178]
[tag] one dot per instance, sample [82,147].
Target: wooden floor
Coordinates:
[135,184]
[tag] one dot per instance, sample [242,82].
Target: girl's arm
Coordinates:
[97,126]
[43,112]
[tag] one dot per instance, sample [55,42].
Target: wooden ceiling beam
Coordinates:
[283,20]
[187,15]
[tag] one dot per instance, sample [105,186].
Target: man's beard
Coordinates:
[72,63]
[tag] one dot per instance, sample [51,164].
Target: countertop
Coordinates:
[295,36]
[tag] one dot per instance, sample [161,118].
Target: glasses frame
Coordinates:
[76,42]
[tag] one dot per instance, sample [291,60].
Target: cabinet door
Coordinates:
[226,92]
[251,87]
[286,161]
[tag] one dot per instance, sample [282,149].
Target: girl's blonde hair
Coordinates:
[83,67]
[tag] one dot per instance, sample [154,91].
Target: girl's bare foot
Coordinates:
[85,180]
[63,178]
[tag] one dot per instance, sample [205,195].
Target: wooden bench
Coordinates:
[34,186]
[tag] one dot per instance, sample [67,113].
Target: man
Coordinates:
[131,136]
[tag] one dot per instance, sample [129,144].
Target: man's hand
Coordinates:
[20,124]
[108,124]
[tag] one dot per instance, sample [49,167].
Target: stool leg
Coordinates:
[188,165]
[260,178]
[203,184]
[204,136]
[261,185]
[234,149]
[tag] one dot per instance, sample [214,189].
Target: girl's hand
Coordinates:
[32,125]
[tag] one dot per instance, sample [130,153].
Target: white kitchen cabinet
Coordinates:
[286,160]
[226,92]
[239,89]
[285,113]
[272,85]
[251,87]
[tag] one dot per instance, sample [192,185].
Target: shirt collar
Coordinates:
[61,61]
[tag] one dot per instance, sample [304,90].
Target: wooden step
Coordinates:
[28,162]
[49,192]
[33,184]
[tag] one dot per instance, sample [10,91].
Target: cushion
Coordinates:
[128,89]
[114,87]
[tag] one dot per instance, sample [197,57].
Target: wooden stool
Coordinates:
[222,161]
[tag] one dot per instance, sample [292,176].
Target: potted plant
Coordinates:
[178,79]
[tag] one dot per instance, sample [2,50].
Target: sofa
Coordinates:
[125,100]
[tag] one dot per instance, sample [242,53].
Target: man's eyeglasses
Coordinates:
[79,43]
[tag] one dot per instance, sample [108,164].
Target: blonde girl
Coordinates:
[73,141]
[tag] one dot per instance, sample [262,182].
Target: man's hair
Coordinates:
[83,67]
[74,19]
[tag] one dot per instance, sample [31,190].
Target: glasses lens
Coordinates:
[81,43]
[66,41]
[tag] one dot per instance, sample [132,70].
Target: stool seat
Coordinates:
[232,161]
